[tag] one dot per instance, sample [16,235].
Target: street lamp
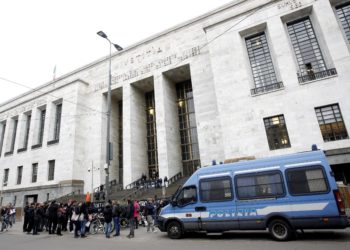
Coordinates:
[92,169]
[108,142]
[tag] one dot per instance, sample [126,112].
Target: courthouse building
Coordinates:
[253,78]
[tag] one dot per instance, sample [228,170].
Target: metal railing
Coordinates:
[318,75]
[266,88]
[133,184]
[175,178]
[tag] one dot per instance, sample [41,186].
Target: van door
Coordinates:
[217,204]
[185,209]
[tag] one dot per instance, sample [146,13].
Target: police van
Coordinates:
[281,194]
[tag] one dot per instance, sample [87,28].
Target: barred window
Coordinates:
[218,189]
[261,63]
[308,53]
[6,177]
[26,135]
[307,181]
[19,174]
[343,12]
[42,126]
[51,174]
[262,185]
[34,172]
[14,133]
[276,132]
[58,121]
[2,135]
[331,123]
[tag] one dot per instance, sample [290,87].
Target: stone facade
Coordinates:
[211,52]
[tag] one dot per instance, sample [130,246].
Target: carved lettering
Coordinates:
[291,4]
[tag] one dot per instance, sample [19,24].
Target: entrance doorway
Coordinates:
[31,199]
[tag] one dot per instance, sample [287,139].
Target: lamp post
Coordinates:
[92,169]
[108,143]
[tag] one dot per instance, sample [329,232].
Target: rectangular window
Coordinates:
[58,121]
[26,135]
[2,135]
[14,133]
[41,126]
[51,174]
[276,132]
[188,128]
[331,123]
[257,186]
[306,181]
[343,12]
[151,126]
[19,174]
[34,172]
[218,189]
[261,64]
[6,177]
[307,50]
[187,195]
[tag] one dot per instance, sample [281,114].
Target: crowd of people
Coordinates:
[76,217]
[7,216]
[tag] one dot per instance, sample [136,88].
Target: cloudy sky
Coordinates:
[37,35]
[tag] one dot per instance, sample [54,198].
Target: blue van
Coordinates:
[281,194]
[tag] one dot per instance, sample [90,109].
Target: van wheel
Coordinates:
[174,230]
[280,230]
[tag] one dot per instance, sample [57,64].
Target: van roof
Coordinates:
[261,163]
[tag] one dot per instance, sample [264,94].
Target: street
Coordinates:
[330,239]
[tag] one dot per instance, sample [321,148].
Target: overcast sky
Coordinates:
[36,35]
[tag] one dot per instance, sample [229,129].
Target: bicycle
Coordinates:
[97,224]
[5,223]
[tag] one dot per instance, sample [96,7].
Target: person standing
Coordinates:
[131,218]
[52,220]
[150,212]
[83,218]
[26,218]
[108,215]
[136,213]
[116,211]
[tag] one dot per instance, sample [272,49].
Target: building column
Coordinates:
[134,134]
[168,137]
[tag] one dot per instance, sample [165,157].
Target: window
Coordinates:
[152,149]
[26,134]
[307,50]
[2,135]
[262,185]
[19,174]
[34,172]
[188,128]
[58,121]
[187,195]
[120,140]
[41,126]
[307,181]
[331,123]
[276,132]
[343,12]
[218,189]
[51,174]
[261,64]
[14,133]
[6,177]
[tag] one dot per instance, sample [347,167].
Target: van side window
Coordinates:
[218,189]
[187,195]
[306,180]
[261,185]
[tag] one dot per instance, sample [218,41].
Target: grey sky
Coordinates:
[36,35]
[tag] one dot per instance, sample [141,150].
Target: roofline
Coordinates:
[146,40]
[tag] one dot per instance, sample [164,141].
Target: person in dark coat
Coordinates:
[130,217]
[108,215]
[26,217]
[30,218]
[38,213]
[53,208]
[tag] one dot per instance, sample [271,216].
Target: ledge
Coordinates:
[21,150]
[37,146]
[53,142]
[9,153]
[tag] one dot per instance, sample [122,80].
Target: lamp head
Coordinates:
[102,34]
[117,47]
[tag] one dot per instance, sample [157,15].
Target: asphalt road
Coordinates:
[14,239]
